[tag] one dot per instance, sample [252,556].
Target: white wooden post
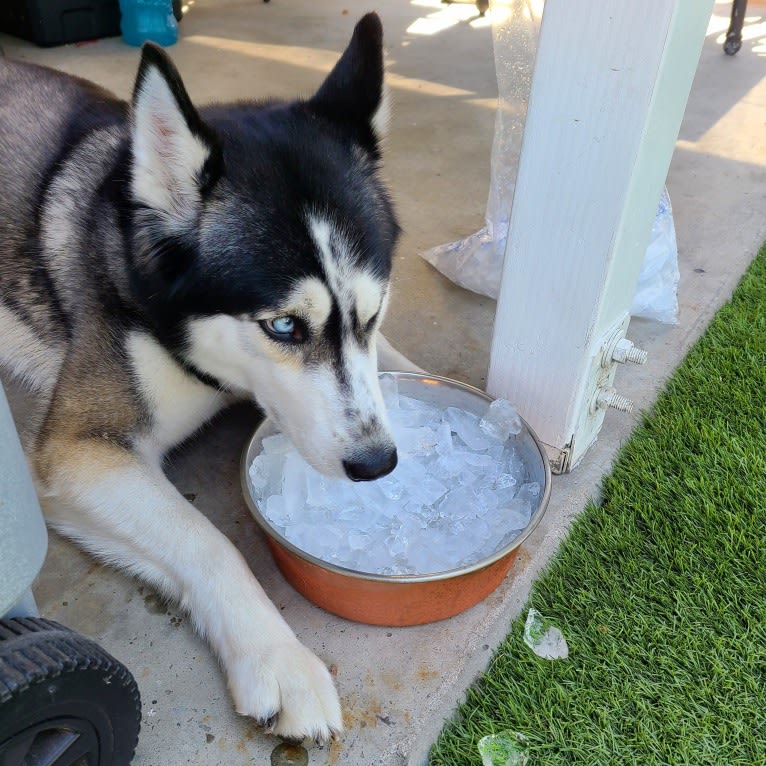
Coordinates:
[609,89]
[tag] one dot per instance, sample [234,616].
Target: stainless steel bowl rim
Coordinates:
[404,578]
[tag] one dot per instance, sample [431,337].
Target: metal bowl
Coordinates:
[398,600]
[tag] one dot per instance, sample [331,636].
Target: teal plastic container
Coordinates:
[148,20]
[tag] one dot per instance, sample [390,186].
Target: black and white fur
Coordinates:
[158,261]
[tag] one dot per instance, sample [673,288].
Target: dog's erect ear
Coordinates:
[176,157]
[352,96]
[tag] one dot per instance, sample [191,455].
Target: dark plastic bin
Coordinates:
[56,22]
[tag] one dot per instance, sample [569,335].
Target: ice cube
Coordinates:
[358,539]
[391,487]
[414,412]
[486,500]
[258,475]
[503,749]
[266,475]
[544,638]
[459,503]
[514,464]
[396,544]
[466,426]
[275,510]
[505,481]
[444,442]
[479,460]
[530,491]
[294,481]
[501,420]
[276,444]
[415,441]
[318,489]
[389,387]
[518,513]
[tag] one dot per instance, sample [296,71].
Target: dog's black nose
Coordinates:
[372,465]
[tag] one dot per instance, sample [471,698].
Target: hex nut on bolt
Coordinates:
[626,351]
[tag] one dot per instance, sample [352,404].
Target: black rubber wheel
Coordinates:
[63,700]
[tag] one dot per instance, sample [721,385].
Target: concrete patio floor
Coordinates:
[398,685]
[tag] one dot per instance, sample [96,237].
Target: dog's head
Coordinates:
[262,246]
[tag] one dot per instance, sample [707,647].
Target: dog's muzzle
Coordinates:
[371,464]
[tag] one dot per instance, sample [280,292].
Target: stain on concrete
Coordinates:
[334,750]
[426,673]
[360,715]
[391,680]
[522,559]
[155,604]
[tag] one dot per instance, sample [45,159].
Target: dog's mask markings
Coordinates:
[323,391]
[359,295]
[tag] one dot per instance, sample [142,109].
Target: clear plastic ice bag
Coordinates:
[657,291]
[476,262]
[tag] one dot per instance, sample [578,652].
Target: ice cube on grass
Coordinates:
[458,494]
[544,638]
[504,749]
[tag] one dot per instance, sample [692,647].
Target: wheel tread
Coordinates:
[34,649]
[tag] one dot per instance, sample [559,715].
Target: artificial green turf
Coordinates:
[660,590]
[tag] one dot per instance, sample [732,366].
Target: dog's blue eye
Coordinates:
[283,325]
[285,328]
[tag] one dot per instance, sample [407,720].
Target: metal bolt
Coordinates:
[626,351]
[608,397]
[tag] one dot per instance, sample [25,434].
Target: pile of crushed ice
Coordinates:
[458,493]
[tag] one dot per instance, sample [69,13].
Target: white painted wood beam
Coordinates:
[609,90]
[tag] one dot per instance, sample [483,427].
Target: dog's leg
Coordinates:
[124,510]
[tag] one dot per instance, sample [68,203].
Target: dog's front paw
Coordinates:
[288,689]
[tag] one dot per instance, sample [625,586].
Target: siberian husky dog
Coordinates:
[157,261]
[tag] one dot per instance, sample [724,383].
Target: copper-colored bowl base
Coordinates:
[390,602]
